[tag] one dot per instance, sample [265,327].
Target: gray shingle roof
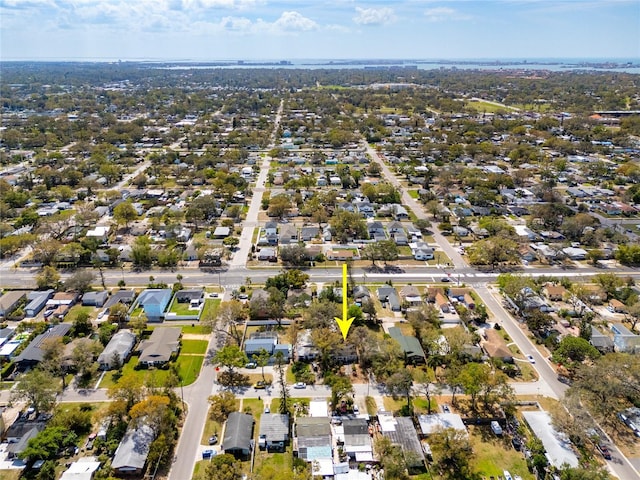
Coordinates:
[238,432]
[275,426]
[134,448]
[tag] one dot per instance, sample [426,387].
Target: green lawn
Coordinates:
[194,346]
[493,455]
[196,330]
[182,308]
[268,465]
[210,307]
[189,367]
[75,310]
[413,193]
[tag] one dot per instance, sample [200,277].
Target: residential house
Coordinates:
[395,227]
[343,254]
[309,233]
[376,229]
[131,454]
[260,341]
[268,254]
[270,233]
[361,294]
[238,435]
[554,292]
[83,469]
[357,441]
[389,298]
[61,303]
[221,232]
[36,302]
[163,343]
[602,342]
[99,233]
[125,297]
[410,296]
[119,347]
[365,209]
[288,234]
[596,294]
[6,334]
[624,340]
[194,297]
[274,431]
[575,253]
[10,301]
[617,306]
[559,450]
[33,354]
[442,302]
[402,432]
[154,302]
[410,345]
[495,346]
[19,434]
[399,212]
[305,350]
[313,441]
[95,299]
[436,422]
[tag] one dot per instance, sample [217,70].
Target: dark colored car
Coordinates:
[517,443]
[604,451]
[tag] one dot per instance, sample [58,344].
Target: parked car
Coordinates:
[517,443]
[299,385]
[260,385]
[251,365]
[445,279]
[604,451]
[446,409]
[530,358]
[213,439]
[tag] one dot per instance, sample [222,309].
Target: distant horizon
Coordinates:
[201,30]
[324,59]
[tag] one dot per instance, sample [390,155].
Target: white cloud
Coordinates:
[439,14]
[237,24]
[374,16]
[228,4]
[294,22]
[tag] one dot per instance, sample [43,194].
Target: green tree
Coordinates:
[222,405]
[38,388]
[124,213]
[574,349]
[452,454]
[285,398]
[262,360]
[223,467]
[348,225]
[48,278]
[391,458]
[129,390]
[46,444]
[341,390]
[399,384]
[231,357]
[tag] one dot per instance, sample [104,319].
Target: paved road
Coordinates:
[239,259]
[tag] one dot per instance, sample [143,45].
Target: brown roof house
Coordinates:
[554,292]
[496,347]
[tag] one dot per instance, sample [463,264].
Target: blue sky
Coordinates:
[303,29]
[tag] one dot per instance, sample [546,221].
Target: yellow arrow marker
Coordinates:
[344,323]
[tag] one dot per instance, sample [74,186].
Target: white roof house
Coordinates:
[438,421]
[557,445]
[83,469]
